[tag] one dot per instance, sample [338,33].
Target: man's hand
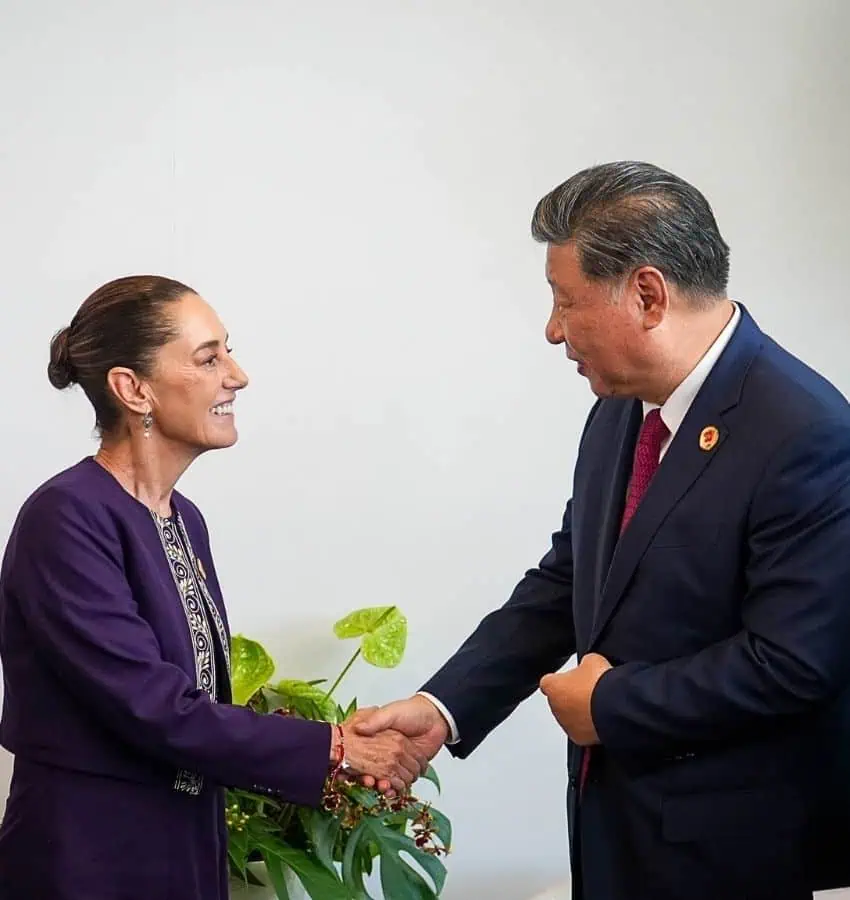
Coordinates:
[388,756]
[417,718]
[569,695]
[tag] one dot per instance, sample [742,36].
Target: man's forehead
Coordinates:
[561,260]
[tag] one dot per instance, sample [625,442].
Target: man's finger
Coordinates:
[398,784]
[371,724]
[384,787]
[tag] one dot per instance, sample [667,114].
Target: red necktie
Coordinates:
[653,433]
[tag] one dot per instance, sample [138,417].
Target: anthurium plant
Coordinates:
[333,850]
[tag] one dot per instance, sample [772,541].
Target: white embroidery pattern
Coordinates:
[212,609]
[194,598]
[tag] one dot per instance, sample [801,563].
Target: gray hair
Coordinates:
[623,215]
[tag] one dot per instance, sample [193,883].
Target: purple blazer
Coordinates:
[104,655]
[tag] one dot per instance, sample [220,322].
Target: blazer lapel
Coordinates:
[684,462]
[615,498]
[601,477]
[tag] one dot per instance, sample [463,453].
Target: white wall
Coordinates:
[351,186]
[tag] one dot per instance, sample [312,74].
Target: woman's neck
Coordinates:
[146,472]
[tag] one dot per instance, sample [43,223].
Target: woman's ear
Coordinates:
[129,391]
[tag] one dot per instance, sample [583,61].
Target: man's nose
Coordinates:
[554,332]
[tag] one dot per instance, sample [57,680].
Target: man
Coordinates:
[701,573]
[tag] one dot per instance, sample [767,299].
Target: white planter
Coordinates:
[241,891]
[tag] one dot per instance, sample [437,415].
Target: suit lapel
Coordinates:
[602,473]
[684,462]
[615,499]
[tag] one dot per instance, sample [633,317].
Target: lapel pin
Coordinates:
[708,438]
[201,570]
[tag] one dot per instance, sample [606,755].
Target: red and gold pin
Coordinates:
[708,438]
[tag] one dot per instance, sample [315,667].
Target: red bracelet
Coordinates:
[339,749]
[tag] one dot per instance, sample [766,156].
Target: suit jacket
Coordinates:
[724,610]
[103,652]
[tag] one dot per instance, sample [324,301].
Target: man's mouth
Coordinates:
[223,409]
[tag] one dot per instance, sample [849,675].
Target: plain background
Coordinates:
[351,186]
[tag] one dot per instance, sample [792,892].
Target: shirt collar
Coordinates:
[674,410]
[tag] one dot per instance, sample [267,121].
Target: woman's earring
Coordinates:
[147,423]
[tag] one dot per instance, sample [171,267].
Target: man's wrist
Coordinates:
[452,735]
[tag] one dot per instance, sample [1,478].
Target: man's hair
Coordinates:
[623,215]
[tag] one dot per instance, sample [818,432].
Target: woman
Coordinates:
[114,638]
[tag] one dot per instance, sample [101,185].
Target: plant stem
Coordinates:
[344,672]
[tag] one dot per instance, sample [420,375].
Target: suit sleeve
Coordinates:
[790,655]
[503,660]
[70,584]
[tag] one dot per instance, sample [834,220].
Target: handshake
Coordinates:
[389,747]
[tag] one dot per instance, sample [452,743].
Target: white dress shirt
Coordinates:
[673,413]
[676,407]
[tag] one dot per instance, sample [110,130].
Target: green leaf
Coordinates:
[367,798]
[392,844]
[352,708]
[430,774]
[307,700]
[352,864]
[238,849]
[368,851]
[442,825]
[401,882]
[323,831]
[237,864]
[275,870]
[251,667]
[384,633]
[317,880]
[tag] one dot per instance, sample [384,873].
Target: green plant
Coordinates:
[332,850]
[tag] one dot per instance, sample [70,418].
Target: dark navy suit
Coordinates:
[725,611]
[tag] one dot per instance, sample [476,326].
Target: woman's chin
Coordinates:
[223,436]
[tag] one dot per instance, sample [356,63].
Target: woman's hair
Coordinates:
[123,323]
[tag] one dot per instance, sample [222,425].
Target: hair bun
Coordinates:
[60,369]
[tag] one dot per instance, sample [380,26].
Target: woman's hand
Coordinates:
[387,756]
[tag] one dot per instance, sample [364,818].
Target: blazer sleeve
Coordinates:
[503,660]
[790,655]
[78,606]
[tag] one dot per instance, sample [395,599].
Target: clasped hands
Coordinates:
[389,747]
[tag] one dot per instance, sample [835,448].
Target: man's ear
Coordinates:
[650,287]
